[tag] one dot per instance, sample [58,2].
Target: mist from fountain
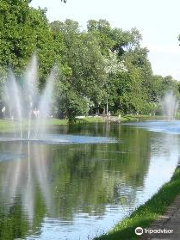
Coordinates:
[13,99]
[170,105]
[45,103]
[31,77]
[25,103]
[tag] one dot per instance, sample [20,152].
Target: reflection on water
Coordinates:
[78,191]
[171,127]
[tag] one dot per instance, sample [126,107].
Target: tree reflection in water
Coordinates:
[63,187]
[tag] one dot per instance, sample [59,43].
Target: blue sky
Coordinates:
[157,20]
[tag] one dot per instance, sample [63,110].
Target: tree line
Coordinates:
[100,69]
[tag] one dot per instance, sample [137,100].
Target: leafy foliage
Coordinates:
[100,69]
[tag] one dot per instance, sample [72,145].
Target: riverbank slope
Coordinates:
[7,125]
[153,210]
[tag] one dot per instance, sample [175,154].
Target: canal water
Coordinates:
[83,179]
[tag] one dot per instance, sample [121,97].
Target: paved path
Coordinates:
[170,221]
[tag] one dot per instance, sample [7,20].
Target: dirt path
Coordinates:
[169,223]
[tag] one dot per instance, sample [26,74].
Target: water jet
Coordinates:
[25,102]
[169,105]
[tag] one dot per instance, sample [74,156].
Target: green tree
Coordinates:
[82,87]
[112,68]
[23,31]
[16,39]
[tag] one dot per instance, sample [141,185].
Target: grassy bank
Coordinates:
[147,213]
[123,119]
[7,125]
[90,119]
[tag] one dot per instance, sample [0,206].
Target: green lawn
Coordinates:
[7,125]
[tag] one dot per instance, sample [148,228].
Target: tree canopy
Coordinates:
[101,69]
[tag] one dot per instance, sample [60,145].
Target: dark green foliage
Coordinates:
[84,85]
[82,72]
[23,31]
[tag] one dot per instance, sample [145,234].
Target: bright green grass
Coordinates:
[56,122]
[6,125]
[93,119]
[133,117]
[10,126]
[147,213]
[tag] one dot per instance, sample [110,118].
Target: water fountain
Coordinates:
[170,105]
[29,109]
[38,176]
[26,104]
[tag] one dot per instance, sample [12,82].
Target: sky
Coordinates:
[157,20]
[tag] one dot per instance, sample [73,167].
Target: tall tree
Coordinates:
[86,64]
